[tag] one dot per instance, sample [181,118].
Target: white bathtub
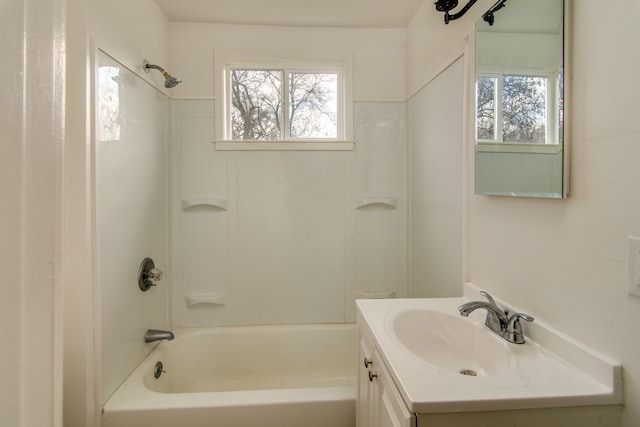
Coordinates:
[244,376]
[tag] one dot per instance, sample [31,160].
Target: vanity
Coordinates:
[422,364]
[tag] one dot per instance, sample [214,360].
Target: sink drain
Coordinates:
[468,372]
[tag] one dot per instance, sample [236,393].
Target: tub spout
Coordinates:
[156,335]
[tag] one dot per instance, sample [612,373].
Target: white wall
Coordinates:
[32,128]
[11,217]
[436,174]
[378,54]
[131,32]
[79,399]
[565,261]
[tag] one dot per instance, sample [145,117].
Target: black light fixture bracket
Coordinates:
[488,15]
[447,5]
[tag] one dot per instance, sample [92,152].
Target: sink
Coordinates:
[426,345]
[450,342]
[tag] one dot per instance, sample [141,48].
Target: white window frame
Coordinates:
[293,61]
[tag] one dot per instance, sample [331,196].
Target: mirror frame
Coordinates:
[567,111]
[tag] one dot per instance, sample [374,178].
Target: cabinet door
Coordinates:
[390,410]
[365,397]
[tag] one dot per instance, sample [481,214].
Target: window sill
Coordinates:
[505,147]
[285,146]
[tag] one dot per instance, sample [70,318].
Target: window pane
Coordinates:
[486,108]
[313,105]
[256,104]
[524,101]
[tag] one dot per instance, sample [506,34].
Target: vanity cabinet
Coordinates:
[378,403]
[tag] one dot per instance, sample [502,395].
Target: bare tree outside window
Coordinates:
[256,102]
[486,108]
[313,106]
[258,108]
[524,109]
[523,106]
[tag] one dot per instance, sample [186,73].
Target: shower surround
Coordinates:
[246,238]
[286,237]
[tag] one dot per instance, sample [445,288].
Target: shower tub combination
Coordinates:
[243,376]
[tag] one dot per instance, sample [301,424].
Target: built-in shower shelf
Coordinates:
[206,298]
[211,204]
[370,294]
[376,203]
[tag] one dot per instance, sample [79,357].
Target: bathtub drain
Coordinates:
[158,370]
[468,372]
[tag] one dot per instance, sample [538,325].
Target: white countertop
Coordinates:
[561,373]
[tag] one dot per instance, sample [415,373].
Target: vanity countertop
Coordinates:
[550,370]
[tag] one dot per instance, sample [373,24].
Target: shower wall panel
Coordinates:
[380,213]
[274,237]
[437,170]
[201,215]
[130,214]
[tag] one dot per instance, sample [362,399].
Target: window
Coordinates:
[514,109]
[261,109]
[270,101]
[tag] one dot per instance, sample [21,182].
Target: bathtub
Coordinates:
[243,376]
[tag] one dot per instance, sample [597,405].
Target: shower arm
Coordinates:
[169,81]
[148,66]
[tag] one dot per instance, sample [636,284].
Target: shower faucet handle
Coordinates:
[148,274]
[155,275]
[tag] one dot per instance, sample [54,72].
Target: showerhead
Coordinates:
[169,80]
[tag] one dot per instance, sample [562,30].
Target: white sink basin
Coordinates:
[451,343]
[425,343]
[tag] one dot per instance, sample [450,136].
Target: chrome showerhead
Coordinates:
[169,80]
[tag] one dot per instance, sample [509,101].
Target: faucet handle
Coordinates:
[518,316]
[489,298]
[155,275]
[514,328]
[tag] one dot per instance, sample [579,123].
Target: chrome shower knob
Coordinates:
[155,275]
[148,274]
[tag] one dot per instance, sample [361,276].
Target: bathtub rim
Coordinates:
[134,395]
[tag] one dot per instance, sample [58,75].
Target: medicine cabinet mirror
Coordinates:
[521,99]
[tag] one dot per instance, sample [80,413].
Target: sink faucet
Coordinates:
[156,335]
[498,320]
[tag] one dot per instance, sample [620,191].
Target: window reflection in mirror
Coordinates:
[519,100]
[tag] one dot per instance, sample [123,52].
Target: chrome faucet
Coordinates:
[498,320]
[156,335]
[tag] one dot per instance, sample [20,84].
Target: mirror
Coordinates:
[521,99]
